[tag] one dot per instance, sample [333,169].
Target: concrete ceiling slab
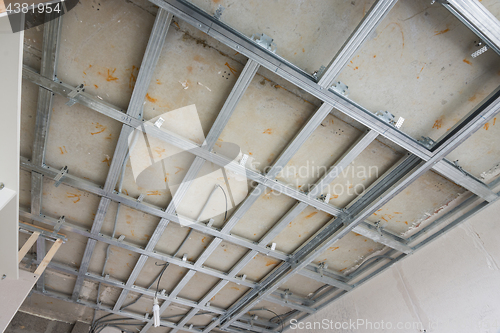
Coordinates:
[307,33]
[437,83]
[429,194]
[416,65]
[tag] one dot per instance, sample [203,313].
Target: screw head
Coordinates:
[4,276]
[2,186]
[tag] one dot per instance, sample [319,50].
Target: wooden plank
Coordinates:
[48,257]
[27,246]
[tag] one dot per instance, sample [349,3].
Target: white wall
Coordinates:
[452,285]
[11,51]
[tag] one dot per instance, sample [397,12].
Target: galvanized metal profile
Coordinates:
[130,281]
[249,328]
[370,21]
[40,254]
[244,80]
[48,66]
[347,158]
[380,238]
[149,61]
[89,249]
[227,110]
[326,238]
[300,138]
[174,293]
[465,179]
[172,297]
[243,207]
[477,18]
[329,177]
[292,305]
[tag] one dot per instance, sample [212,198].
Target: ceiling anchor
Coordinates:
[483,49]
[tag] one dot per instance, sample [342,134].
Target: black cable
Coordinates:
[276,316]
[159,278]
[225,196]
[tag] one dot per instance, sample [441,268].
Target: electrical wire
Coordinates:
[225,196]
[160,275]
[184,242]
[276,316]
[370,259]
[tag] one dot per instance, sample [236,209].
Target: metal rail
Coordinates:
[367,25]
[149,61]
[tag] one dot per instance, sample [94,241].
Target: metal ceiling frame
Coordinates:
[349,219]
[333,232]
[48,68]
[227,110]
[146,71]
[478,19]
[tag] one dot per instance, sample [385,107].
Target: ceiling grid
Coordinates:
[340,222]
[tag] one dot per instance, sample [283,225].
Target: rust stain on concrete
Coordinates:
[151,99]
[99,127]
[73,196]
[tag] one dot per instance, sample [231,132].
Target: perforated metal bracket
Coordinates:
[77,90]
[379,228]
[390,118]
[427,142]
[483,48]
[340,88]
[58,225]
[218,12]
[285,295]
[141,197]
[325,197]
[319,73]
[460,168]
[321,268]
[60,176]
[265,41]
[385,116]
[159,122]
[243,160]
